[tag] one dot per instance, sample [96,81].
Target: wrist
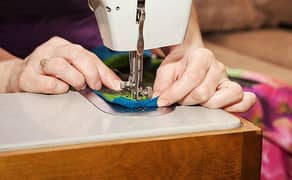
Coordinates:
[194,44]
[14,73]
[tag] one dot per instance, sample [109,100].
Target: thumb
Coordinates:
[165,77]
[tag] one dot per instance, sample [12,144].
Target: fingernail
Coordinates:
[98,85]
[117,84]
[162,102]
[83,87]
[161,54]
[61,87]
[155,94]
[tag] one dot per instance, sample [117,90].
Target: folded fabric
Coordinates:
[105,53]
[120,61]
[126,101]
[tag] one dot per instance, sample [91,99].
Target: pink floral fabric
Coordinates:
[273,113]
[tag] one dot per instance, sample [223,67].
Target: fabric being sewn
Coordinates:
[125,101]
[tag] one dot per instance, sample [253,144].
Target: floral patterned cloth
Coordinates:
[273,113]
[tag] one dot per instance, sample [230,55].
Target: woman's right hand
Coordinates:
[57,63]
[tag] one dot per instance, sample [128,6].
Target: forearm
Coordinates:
[10,67]
[193,35]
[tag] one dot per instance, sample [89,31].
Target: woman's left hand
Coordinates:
[191,76]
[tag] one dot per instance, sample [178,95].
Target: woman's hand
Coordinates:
[57,63]
[191,75]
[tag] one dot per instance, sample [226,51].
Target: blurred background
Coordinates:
[250,34]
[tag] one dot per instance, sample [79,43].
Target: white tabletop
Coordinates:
[34,120]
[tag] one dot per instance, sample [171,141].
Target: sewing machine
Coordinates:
[65,137]
[132,26]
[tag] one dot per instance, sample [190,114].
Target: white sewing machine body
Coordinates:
[136,25]
[165,24]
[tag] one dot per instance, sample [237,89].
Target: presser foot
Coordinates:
[137,93]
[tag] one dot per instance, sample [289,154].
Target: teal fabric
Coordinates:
[119,62]
[126,101]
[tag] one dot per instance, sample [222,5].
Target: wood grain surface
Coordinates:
[231,154]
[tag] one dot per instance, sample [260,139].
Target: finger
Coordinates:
[89,65]
[228,93]
[169,71]
[42,84]
[44,51]
[196,69]
[159,52]
[63,70]
[165,76]
[108,77]
[57,41]
[245,104]
[83,61]
[208,87]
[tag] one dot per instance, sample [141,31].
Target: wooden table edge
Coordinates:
[246,126]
